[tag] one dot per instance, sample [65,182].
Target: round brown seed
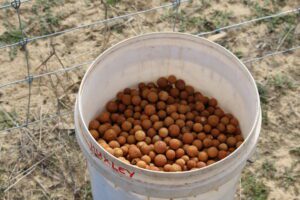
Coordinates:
[161,105]
[131,139]
[114,144]
[162,82]
[231,141]
[110,135]
[180,162]
[207,128]
[172,79]
[163,132]
[230,128]
[198,143]
[213,120]
[126,99]
[140,135]
[187,138]
[175,144]
[146,159]
[174,130]
[163,95]
[197,127]
[112,107]
[134,152]
[199,106]
[213,102]
[207,142]
[141,164]
[212,152]
[222,138]
[152,97]
[150,109]
[146,124]
[168,121]
[160,160]
[160,147]
[104,117]
[136,100]
[223,146]
[191,164]
[158,125]
[203,156]
[200,164]
[192,151]
[121,139]
[170,154]
[179,153]
[95,134]
[94,124]
[222,154]
[118,152]
[167,168]
[126,126]
[180,84]
[209,162]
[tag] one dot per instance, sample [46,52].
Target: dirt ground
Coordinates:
[37,162]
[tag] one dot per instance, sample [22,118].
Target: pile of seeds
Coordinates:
[166,126]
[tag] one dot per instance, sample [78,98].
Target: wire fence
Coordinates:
[250,21]
[175,4]
[9,5]
[16,4]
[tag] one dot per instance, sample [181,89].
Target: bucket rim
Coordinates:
[162,35]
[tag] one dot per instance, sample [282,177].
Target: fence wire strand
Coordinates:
[50,117]
[80,65]
[17,4]
[100,22]
[48,73]
[8,5]
[250,21]
[96,23]
[176,4]
[251,60]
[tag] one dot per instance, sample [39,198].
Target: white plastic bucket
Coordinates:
[205,65]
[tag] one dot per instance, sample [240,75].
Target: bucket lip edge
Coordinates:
[166,34]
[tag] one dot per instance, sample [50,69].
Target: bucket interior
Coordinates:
[208,67]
